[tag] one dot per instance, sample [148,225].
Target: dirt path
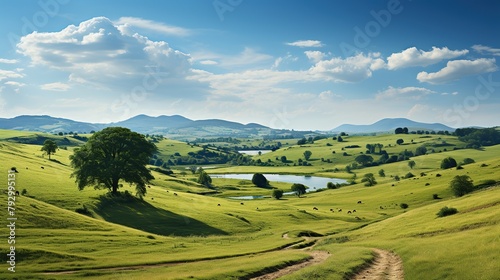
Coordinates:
[317,257]
[386,266]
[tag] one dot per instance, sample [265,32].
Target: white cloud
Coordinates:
[283,59]
[8,61]
[315,56]
[96,52]
[58,86]
[413,57]
[392,92]
[328,95]
[350,69]
[486,50]
[208,62]
[457,69]
[306,44]
[125,24]
[7,74]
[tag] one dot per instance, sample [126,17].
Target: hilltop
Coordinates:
[390,124]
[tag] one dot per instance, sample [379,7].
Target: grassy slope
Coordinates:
[188,226]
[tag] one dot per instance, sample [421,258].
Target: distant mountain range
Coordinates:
[390,125]
[171,126]
[183,128]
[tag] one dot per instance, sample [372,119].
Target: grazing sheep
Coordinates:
[14,169]
[359,202]
[314,208]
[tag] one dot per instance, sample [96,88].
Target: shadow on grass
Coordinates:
[127,210]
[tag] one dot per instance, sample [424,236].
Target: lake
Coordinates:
[254,152]
[313,182]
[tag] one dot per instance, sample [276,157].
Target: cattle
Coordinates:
[42,167]
[359,202]
[149,186]
[331,210]
[354,211]
[314,208]
[241,203]
[340,210]
[218,204]
[348,212]
[152,198]
[175,194]
[14,169]
[17,193]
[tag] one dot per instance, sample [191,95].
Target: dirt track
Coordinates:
[386,266]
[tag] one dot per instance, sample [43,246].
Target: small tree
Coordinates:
[369,179]
[381,173]
[204,179]
[49,147]
[400,141]
[277,193]
[448,162]
[299,189]
[331,185]
[446,211]
[422,150]
[461,185]
[411,164]
[259,180]
[307,154]
[364,159]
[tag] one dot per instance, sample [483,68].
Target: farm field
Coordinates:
[184,230]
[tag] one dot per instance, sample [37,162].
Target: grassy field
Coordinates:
[188,235]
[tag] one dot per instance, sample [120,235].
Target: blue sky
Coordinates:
[283,64]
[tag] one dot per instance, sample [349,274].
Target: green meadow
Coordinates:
[183,230]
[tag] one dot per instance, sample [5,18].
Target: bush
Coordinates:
[277,193]
[403,205]
[445,211]
[259,180]
[24,192]
[467,161]
[84,211]
[331,185]
[448,162]
[461,185]
[409,175]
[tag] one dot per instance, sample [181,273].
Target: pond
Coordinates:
[313,182]
[254,152]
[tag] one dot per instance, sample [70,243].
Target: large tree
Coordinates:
[364,159]
[307,154]
[49,147]
[111,155]
[260,180]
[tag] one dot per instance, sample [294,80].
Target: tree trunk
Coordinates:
[115,186]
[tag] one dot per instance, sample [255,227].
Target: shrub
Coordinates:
[277,193]
[259,180]
[396,178]
[435,196]
[409,175]
[467,161]
[403,205]
[84,211]
[445,211]
[461,185]
[24,192]
[448,162]
[331,185]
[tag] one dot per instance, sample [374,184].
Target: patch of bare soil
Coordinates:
[316,257]
[386,266]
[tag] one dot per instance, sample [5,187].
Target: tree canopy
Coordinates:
[364,159]
[49,147]
[259,180]
[112,155]
[307,154]
[448,162]
[461,185]
[299,189]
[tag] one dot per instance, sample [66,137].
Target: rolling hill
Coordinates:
[390,124]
